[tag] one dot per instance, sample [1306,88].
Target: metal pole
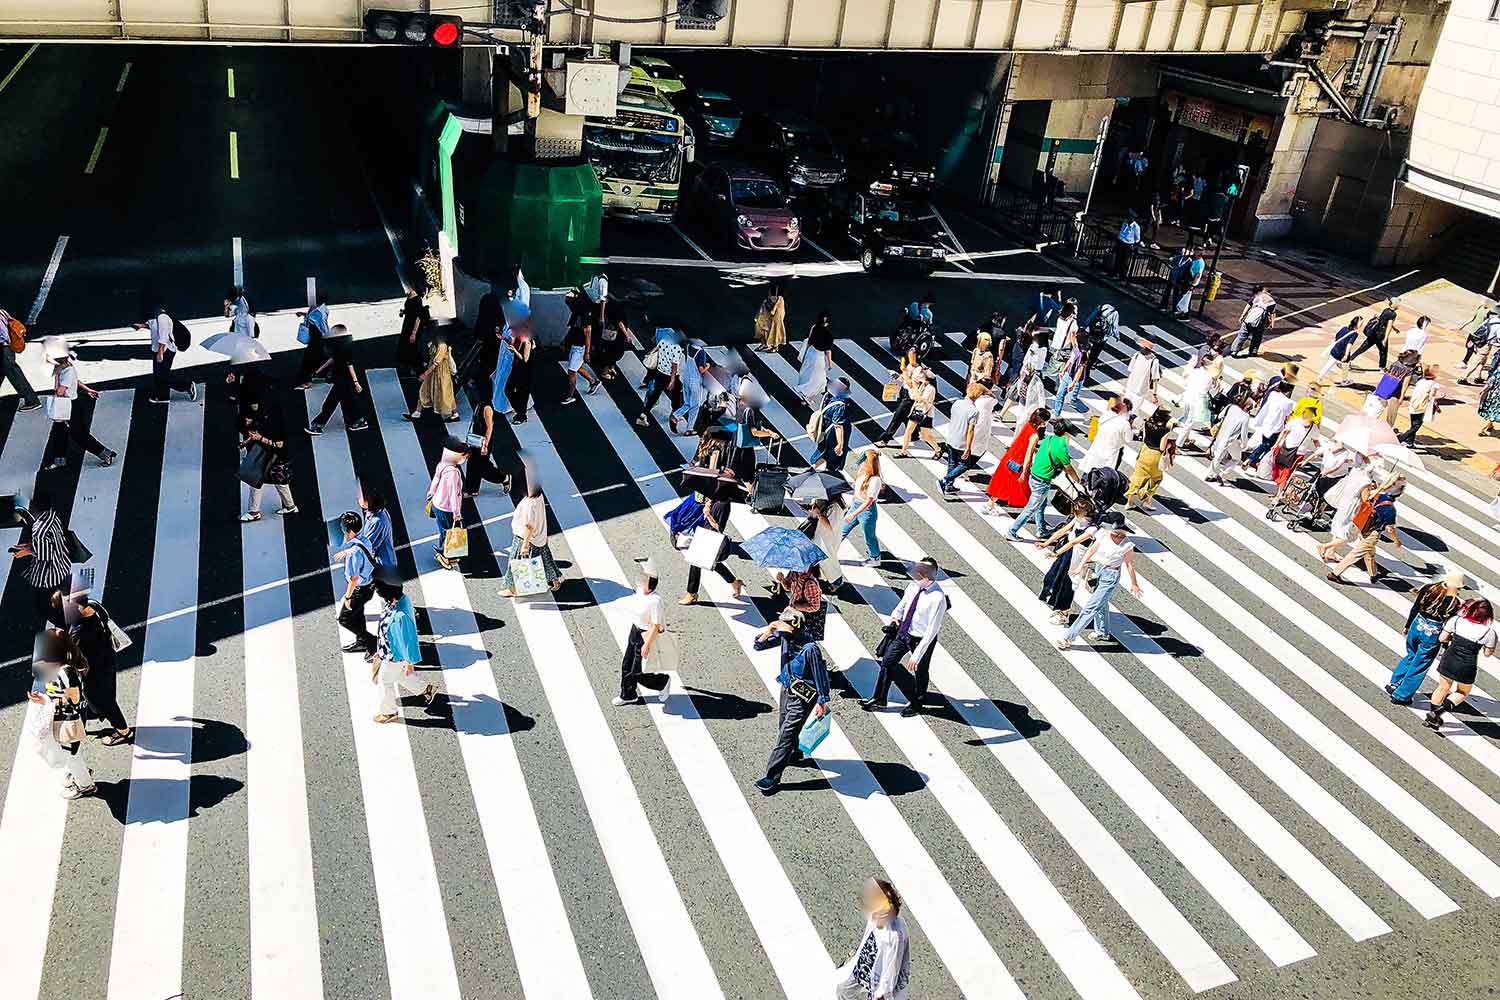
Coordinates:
[1088,199]
[1213,268]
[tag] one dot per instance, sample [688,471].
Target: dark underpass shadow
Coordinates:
[721,705]
[204,791]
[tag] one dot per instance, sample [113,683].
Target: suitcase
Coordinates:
[769,493]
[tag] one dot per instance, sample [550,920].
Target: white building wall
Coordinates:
[1455,139]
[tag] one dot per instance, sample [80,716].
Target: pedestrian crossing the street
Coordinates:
[1221,801]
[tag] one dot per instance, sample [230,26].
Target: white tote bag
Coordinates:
[706,548]
[528,577]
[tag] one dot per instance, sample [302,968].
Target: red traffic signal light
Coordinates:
[442,31]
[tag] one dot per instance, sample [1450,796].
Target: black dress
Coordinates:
[91,633]
[414,319]
[1460,662]
[518,386]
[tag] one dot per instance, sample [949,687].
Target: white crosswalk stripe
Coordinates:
[1244,890]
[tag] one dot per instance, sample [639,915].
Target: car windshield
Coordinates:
[756,192]
[890,209]
[636,156]
[719,107]
[661,71]
[807,140]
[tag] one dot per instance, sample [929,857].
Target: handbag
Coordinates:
[456,542]
[15,330]
[255,465]
[1363,515]
[814,732]
[68,731]
[1013,466]
[649,361]
[303,337]
[77,551]
[890,392]
[706,548]
[428,508]
[528,577]
[119,639]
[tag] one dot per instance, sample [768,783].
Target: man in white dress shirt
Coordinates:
[1269,421]
[906,651]
[1110,439]
[163,330]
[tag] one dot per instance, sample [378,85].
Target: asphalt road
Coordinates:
[1222,803]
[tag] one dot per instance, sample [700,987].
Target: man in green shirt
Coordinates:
[1051,460]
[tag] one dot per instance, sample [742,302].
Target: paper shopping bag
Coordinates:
[528,577]
[706,548]
[456,542]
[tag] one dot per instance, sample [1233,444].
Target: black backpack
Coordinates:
[181,336]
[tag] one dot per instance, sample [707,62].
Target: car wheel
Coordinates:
[867,259]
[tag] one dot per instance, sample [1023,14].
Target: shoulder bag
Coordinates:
[255,465]
[1364,515]
[77,551]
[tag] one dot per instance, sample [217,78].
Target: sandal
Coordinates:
[429,694]
[507,592]
[388,718]
[556,586]
[115,738]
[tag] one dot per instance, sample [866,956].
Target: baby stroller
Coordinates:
[1300,503]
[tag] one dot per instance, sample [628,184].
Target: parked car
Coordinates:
[711,114]
[895,156]
[888,226]
[656,72]
[792,150]
[745,206]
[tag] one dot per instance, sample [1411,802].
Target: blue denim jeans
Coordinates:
[1096,608]
[866,519]
[957,466]
[1068,388]
[444,522]
[1421,650]
[1036,508]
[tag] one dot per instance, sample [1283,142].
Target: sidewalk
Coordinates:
[1317,292]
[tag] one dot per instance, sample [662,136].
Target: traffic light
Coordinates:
[404,27]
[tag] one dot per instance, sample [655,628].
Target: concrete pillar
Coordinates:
[1072,134]
[1293,138]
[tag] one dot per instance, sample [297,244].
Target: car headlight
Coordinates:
[895,251]
[743,221]
[793,225]
[939,252]
[798,170]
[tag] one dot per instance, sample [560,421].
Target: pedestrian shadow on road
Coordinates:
[199,741]
[477,715]
[157,799]
[893,777]
[722,705]
[1019,716]
[1161,635]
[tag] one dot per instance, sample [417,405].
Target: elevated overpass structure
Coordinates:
[1041,26]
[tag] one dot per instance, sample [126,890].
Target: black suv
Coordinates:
[889,226]
[794,151]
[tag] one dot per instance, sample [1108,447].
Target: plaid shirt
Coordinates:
[50,563]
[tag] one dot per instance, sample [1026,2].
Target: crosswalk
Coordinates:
[1222,797]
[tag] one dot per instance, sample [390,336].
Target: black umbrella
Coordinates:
[818,486]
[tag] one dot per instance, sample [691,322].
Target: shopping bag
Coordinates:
[1093,426]
[664,655]
[456,542]
[890,392]
[528,577]
[706,548]
[814,731]
[255,465]
[119,639]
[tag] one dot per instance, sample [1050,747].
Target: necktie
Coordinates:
[911,612]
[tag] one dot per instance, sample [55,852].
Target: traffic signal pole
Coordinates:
[526,74]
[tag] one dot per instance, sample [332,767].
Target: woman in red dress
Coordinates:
[1011,482]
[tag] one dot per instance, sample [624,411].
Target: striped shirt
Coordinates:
[50,564]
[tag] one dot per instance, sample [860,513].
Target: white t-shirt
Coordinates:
[868,488]
[959,421]
[984,424]
[1109,554]
[65,390]
[1423,396]
[1035,359]
[1416,339]
[530,511]
[1104,452]
[1064,330]
[648,611]
[1482,634]
[1085,528]
[240,320]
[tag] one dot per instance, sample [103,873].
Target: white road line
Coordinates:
[285,960]
[234,156]
[312,291]
[34,815]
[98,148]
[1047,279]
[690,242]
[670,947]
[1357,919]
[1378,724]
[17,67]
[547,959]
[957,262]
[413,926]
[1267,928]
[229,80]
[802,963]
[826,255]
[146,955]
[124,75]
[237,250]
[962,947]
[48,277]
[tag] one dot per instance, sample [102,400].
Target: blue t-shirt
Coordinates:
[377,535]
[357,562]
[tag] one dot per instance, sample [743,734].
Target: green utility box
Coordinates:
[541,216]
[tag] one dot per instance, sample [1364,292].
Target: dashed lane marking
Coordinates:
[124,75]
[238,250]
[229,76]
[1050,279]
[47,279]
[234,156]
[98,148]
[17,67]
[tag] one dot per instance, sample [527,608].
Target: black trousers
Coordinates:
[479,468]
[914,686]
[1380,345]
[899,416]
[341,396]
[46,609]
[1057,585]
[1409,436]
[99,690]
[631,674]
[313,357]
[1257,332]
[62,432]
[10,370]
[1123,253]
[656,381]
[794,713]
[353,617]
[695,573]
[161,375]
